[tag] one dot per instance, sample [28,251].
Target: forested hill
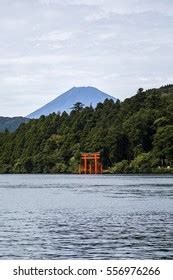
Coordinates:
[133,136]
[11,124]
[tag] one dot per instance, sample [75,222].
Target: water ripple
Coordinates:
[75,217]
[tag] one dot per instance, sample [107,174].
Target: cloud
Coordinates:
[56,36]
[48,46]
[36,60]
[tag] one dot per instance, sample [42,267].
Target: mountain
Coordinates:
[11,124]
[64,102]
[133,136]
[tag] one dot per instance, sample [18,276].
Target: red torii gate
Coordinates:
[90,163]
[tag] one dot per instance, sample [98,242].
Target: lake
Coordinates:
[86,217]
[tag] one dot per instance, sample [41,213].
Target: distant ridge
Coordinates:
[11,124]
[65,101]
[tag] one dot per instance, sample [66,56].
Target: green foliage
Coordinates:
[120,167]
[141,164]
[163,145]
[134,136]
[77,107]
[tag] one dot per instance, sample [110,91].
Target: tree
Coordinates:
[133,135]
[163,144]
[140,90]
[77,107]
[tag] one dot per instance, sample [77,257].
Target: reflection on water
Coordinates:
[86,217]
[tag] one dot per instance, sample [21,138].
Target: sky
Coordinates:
[50,46]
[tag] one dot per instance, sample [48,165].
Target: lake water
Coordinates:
[86,217]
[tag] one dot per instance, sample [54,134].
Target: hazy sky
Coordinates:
[49,46]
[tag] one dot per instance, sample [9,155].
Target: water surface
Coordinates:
[86,217]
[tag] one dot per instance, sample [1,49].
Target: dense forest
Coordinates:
[133,136]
